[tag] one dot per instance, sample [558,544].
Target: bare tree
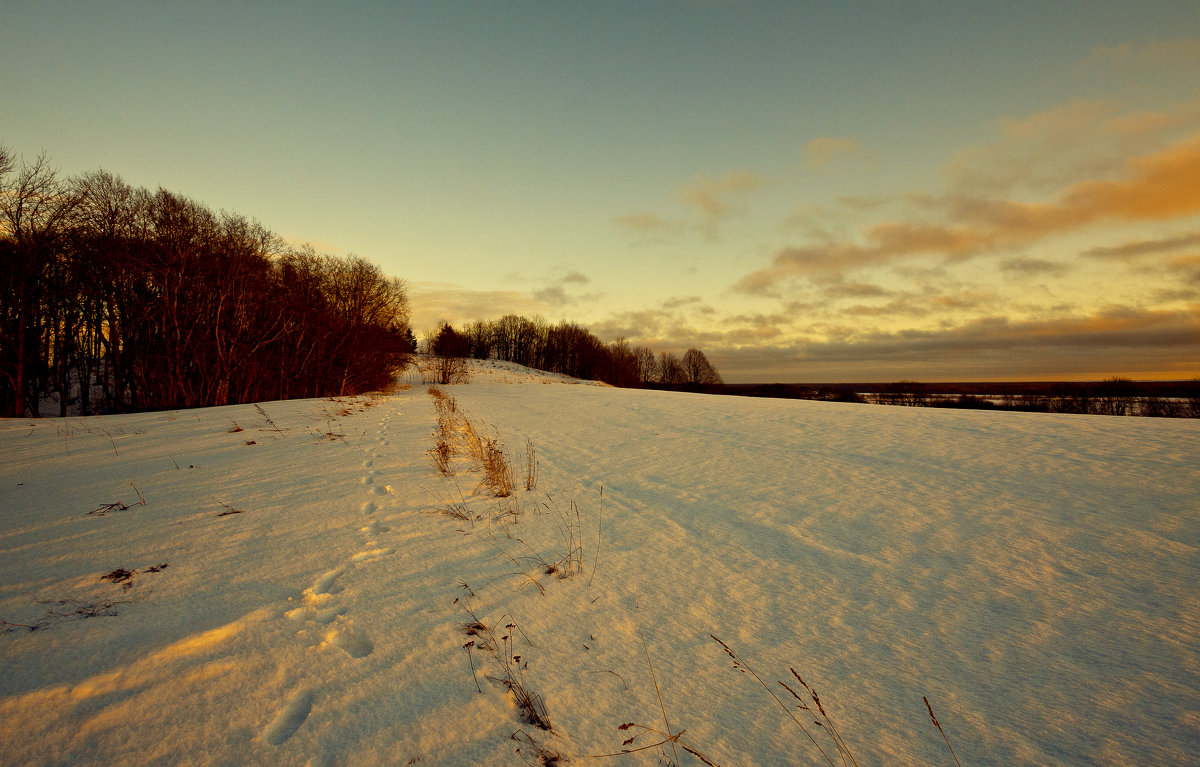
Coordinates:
[1116,396]
[698,371]
[167,304]
[449,348]
[670,370]
[623,365]
[34,212]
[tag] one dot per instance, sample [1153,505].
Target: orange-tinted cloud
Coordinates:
[1162,186]
[718,198]
[1155,53]
[1157,187]
[1077,140]
[1138,344]
[821,151]
[1140,248]
[648,226]
[433,302]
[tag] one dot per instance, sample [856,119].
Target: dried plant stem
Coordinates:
[741,665]
[510,666]
[531,466]
[828,725]
[943,732]
[665,739]
[661,707]
[471,658]
[572,538]
[599,530]
[267,418]
[119,505]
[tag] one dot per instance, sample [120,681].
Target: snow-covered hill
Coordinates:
[289,592]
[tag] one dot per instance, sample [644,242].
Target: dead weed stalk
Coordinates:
[938,725]
[497,471]
[270,423]
[810,703]
[509,666]
[740,665]
[665,735]
[531,466]
[570,532]
[119,505]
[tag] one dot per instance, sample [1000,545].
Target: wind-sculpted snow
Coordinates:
[1033,575]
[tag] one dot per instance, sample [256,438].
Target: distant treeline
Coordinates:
[1114,396]
[572,350]
[116,298]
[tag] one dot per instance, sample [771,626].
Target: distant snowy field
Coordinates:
[1034,575]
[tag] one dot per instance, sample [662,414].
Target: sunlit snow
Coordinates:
[294,596]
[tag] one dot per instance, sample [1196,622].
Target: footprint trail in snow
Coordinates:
[321,609]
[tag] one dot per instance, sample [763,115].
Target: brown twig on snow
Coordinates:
[119,505]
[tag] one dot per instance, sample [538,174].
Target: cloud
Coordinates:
[1120,341]
[857,290]
[677,302]
[821,151]
[1157,187]
[555,294]
[1140,248]
[1157,53]
[1032,266]
[1080,139]
[717,199]
[649,227]
[431,302]
[1160,187]
[677,323]
[860,204]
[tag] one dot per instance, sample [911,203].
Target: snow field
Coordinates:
[1033,575]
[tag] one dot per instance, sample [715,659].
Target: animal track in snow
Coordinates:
[327,583]
[288,720]
[311,613]
[370,555]
[369,507]
[353,641]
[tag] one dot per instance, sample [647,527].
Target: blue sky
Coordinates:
[806,191]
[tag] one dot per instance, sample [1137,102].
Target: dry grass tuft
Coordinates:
[441,453]
[443,435]
[497,471]
[510,667]
[531,466]
[570,532]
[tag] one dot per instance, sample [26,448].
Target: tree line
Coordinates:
[1113,396]
[569,349]
[116,298]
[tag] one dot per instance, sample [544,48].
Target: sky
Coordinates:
[858,191]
